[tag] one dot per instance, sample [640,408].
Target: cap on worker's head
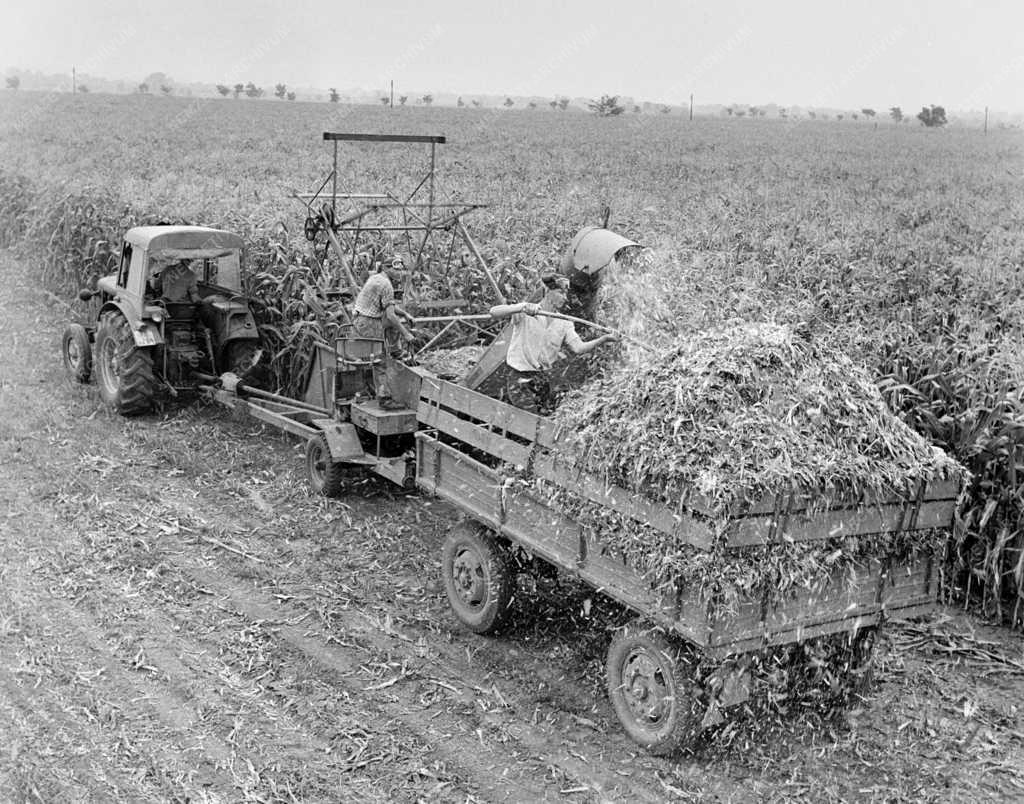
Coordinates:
[554,281]
[397,261]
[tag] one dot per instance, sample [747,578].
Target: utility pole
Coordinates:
[691,106]
[392,93]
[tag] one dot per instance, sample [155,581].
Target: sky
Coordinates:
[823,53]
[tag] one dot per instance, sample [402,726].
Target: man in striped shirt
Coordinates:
[375,312]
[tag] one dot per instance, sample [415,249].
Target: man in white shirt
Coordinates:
[536,342]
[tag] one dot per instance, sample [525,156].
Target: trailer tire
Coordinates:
[76,352]
[326,477]
[478,577]
[650,688]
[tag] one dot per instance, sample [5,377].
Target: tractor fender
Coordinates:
[145,333]
[240,326]
[343,441]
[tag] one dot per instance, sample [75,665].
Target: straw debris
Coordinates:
[731,418]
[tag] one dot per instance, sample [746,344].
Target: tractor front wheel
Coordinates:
[326,476]
[651,691]
[124,371]
[77,352]
[478,577]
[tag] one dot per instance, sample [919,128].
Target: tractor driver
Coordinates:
[375,311]
[536,342]
[176,283]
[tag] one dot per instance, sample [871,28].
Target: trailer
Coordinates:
[468,449]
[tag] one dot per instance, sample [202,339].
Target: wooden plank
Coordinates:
[940,490]
[473,434]
[658,516]
[488,410]
[759,530]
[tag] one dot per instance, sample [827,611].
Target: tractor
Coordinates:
[149,340]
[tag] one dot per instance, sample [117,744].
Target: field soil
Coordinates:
[180,620]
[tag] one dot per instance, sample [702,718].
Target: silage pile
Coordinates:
[737,415]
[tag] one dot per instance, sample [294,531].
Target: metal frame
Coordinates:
[388,213]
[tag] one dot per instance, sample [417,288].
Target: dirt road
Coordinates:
[181,621]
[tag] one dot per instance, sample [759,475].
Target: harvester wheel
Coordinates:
[124,371]
[478,577]
[77,352]
[326,477]
[651,691]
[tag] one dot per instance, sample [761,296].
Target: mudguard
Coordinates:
[343,442]
[145,333]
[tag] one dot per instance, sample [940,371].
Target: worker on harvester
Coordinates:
[376,312]
[536,342]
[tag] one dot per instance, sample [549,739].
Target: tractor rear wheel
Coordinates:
[124,371]
[651,691]
[326,476]
[478,577]
[77,352]
[242,356]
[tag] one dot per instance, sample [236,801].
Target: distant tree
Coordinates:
[783,113]
[253,91]
[291,96]
[932,117]
[384,100]
[741,112]
[143,88]
[460,102]
[839,117]
[166,90]
[238,89]
[224,90]
[607,106]
[475,103]
[532,104]
[636,109]
[811,114]
[754,111]
[666,109]
[509,103]
[280,91]
[402,99]
[896,113]
[13,83]
[334,96]
[729,110]
[868,112]
[427,100]
[563,103]
[553,104]
[83,89]
[854,115]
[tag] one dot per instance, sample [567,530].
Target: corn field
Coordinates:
[902,246]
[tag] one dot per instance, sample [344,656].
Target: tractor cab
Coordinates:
[174,310]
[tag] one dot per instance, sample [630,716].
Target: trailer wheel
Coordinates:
[651,692]
[478,577]
[326,477]
[77,352]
